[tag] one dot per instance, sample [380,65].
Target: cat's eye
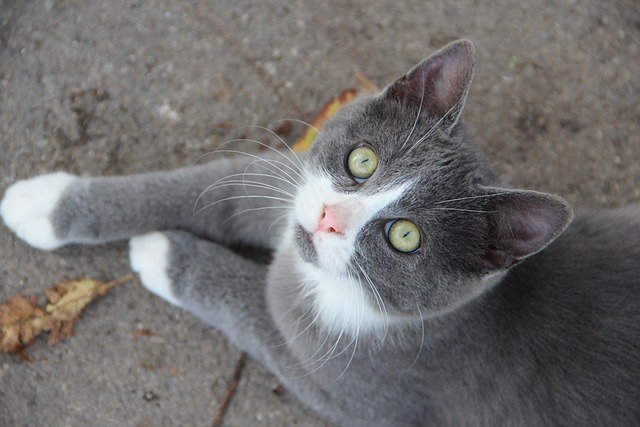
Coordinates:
[404,236]
[362,162]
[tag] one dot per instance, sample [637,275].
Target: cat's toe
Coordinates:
[149,257]
[27,207]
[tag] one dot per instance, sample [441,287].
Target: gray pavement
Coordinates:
[116,87]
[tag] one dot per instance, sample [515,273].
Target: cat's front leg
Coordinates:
[233,200]
[56,209]
[214,283]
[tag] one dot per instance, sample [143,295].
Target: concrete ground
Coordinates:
[115,87]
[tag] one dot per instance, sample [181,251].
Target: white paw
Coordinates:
[149,257]
[27,206]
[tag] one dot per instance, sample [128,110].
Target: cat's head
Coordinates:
[400,208]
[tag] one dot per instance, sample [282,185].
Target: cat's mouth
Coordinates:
[326,251]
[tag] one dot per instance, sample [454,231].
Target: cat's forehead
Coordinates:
[405,141]
[394,130]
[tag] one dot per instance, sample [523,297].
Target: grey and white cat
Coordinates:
[406,288]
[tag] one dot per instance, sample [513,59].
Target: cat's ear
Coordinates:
[438,86]
[522,223]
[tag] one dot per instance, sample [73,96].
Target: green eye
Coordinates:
[362,162]
[404,236]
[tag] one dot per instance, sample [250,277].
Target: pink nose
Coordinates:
[328,222]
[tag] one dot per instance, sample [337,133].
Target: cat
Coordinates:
[408,286]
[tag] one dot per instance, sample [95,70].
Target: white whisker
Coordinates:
[249,184]
[379,301]
[244,175]
[283,143]
[253,210]
[227,179]
[259,175]
[250,197]
[417,116]
[463,210]
[331,352]
[421,340]
[301,319]
[312,360]
[271,162]
[434,127]
[354,341]
[472,197]
[298,166]
[275,221]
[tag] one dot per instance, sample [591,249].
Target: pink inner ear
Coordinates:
[447,81]
[524,223]
[440,82]
[525,234]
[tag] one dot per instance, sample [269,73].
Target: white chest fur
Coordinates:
[342,304]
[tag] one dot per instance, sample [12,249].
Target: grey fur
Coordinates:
[500,318]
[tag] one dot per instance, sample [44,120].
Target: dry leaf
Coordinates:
[21,320]
[328,110]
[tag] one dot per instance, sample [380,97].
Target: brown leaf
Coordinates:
[330,108]
[21,320]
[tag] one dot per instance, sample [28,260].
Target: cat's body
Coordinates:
[406,288]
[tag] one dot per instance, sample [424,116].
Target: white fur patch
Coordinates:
[342,304]
[341,301]
[336,249]
[149,257]
[27,206]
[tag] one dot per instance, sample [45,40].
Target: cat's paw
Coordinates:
[27,207]
[149,255]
